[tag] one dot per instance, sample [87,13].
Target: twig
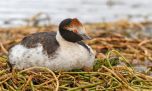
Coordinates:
[3,49]
[85,86]
[28,81]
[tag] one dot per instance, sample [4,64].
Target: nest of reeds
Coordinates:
[119,53]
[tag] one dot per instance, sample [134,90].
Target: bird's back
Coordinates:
[46,39]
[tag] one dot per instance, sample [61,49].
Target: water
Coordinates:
[86,10]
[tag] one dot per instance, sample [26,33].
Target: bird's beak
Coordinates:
[83,34]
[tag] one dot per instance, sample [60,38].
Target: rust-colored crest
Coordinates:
[75,23]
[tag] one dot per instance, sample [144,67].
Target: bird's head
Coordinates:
[72,30]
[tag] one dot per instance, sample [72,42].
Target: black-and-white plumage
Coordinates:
[63,50]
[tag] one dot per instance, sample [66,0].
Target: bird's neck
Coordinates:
[62,41]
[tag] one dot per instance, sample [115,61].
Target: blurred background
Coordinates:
[17,12]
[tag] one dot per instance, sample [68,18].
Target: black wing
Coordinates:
[47,39]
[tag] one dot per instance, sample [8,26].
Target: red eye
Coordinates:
[75,31]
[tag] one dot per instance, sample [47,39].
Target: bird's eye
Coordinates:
[75,31]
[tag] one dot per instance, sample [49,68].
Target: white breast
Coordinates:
[74,56]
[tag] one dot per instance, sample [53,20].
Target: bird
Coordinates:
[62,50]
